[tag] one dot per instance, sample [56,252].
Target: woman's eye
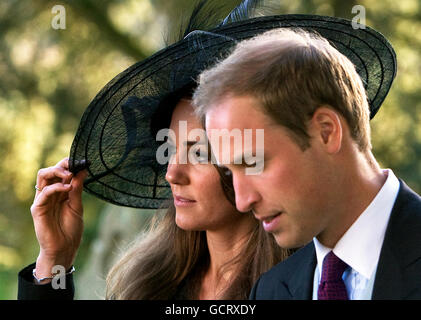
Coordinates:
[171,151]
[201,156]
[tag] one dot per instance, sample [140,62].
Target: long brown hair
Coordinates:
[168,262]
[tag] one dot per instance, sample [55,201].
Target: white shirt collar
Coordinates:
[361,244]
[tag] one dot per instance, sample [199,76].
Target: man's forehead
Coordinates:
[235,112]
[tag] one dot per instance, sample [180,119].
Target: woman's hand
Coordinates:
[58,216]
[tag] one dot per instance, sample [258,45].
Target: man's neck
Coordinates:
[359,186]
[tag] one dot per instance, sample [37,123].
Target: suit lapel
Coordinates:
[300,285]
[401,248]
[388,281]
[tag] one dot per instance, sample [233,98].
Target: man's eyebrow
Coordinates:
[243,161]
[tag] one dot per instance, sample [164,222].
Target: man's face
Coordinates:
[290,195]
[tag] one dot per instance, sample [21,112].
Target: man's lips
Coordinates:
[266,218]
[270,223]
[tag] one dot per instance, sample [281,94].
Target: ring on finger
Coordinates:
[36,187]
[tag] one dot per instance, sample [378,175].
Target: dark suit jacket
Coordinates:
[28,290]
[398,273]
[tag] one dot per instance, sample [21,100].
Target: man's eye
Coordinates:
[250,164]
[226,171]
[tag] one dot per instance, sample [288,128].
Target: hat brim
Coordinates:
[115,133]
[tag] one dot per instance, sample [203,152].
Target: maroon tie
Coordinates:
[331,285]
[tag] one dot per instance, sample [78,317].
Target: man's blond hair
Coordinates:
[291,73]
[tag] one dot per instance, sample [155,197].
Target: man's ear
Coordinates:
[327,129]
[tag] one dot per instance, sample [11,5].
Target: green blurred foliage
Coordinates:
[48,77]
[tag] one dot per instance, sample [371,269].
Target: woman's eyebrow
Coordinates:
[190,143]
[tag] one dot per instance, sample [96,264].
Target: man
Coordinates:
[321,186]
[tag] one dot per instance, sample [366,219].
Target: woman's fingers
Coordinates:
[75,195]
[51,173]
[57,184]
[77,181]
[49,191]
[46,176]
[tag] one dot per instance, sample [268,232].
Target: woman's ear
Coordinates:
[326,127]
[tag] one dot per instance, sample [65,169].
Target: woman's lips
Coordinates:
[183,202]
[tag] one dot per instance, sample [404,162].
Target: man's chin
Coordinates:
[281,240]
[289,242]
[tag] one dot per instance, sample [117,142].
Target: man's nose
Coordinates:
[246,195]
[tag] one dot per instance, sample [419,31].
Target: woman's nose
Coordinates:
[177,174]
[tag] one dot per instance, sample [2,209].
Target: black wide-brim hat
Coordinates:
[116,135]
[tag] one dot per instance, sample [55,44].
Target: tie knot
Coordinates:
[333,268]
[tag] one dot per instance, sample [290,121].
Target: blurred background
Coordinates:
[48,77]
